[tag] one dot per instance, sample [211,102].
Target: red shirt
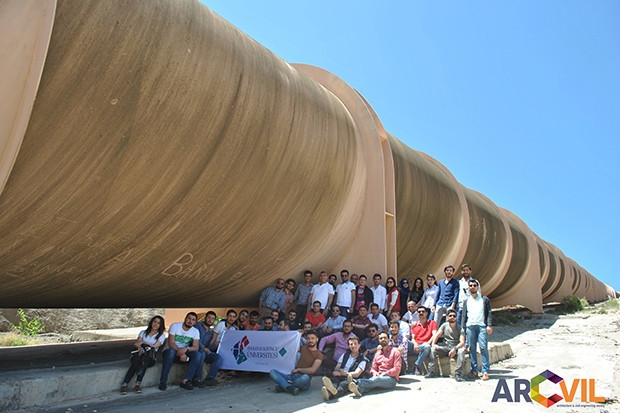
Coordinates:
[423,332]
[315,320]
[387,361]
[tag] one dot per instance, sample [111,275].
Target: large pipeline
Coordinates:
[151,154]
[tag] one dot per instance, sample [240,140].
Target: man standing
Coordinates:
[272,298]
[477,321]
[302,293]
[448,294]
[379,292]
[323,292]
[351,364]
[345,294]
[421,335]
[454,346]
[340,343]
[464,290]
[385,369]
[183,347]
[299,378]
[206,333]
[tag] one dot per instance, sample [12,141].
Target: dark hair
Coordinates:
[254,313]
[192,313]
[308,272]
[363,306]
[314,302]
[383,332]
[210,312]
[392,322]
[244,311]
[372,325]
[450,311]
[353,338]
[312,332]
[431,276]
[376,275]
[231,311]
[341,271]
[362,276]
[421,284]
[449,266]
[374,305]
[465,266]
[473,280]
[393,280]
[292,311]
[291,280]
[160,330]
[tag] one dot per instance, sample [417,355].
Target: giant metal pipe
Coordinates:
[151,154]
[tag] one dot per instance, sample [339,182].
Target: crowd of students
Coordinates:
[348,332]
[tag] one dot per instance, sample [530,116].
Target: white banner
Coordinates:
[259,350]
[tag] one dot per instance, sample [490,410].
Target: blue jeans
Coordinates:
[382,383]
[301,381]
[194,370]
[216,362]
[425,350]
[478,335]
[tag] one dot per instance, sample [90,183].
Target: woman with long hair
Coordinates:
[148,343]
[417,291]
[393,297]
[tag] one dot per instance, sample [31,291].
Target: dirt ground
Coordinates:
[583,349]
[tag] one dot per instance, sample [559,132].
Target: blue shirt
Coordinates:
[448,293]
[205,336]
[273,299]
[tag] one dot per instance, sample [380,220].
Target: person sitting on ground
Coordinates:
[360,322]
[334,323]
[454,346]
[252,323]
[299,379]
[400,342]
[224,325]
[148,344]
[183,347]
[370,344]
[421,336]
[210,356]
[269,324]
[351,364]
[385,369]
[315,317]
[376,317]
[339,340]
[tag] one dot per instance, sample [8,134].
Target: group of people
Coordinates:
[358,336]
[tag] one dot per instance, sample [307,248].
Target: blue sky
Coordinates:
[520,100]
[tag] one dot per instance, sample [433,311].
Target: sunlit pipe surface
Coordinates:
[154,155]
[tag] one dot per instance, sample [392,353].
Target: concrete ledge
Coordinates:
[48,387]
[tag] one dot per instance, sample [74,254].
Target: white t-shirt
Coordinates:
[343,292]
[381,321]
[220,328]
[321,293]
[183,338]
[151,340]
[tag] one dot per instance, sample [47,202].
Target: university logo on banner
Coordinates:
[259,350]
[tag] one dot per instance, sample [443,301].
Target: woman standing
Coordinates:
[403,287]
[393,297]
[417,292]
[429,298]
[149,341]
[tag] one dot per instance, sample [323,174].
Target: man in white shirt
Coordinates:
[477,322]
[376,317]
[322,292]
[345,294]
[222,327]
[379,292]
[183,347]
[464,290]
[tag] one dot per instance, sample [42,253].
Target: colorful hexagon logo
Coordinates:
[534,390]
